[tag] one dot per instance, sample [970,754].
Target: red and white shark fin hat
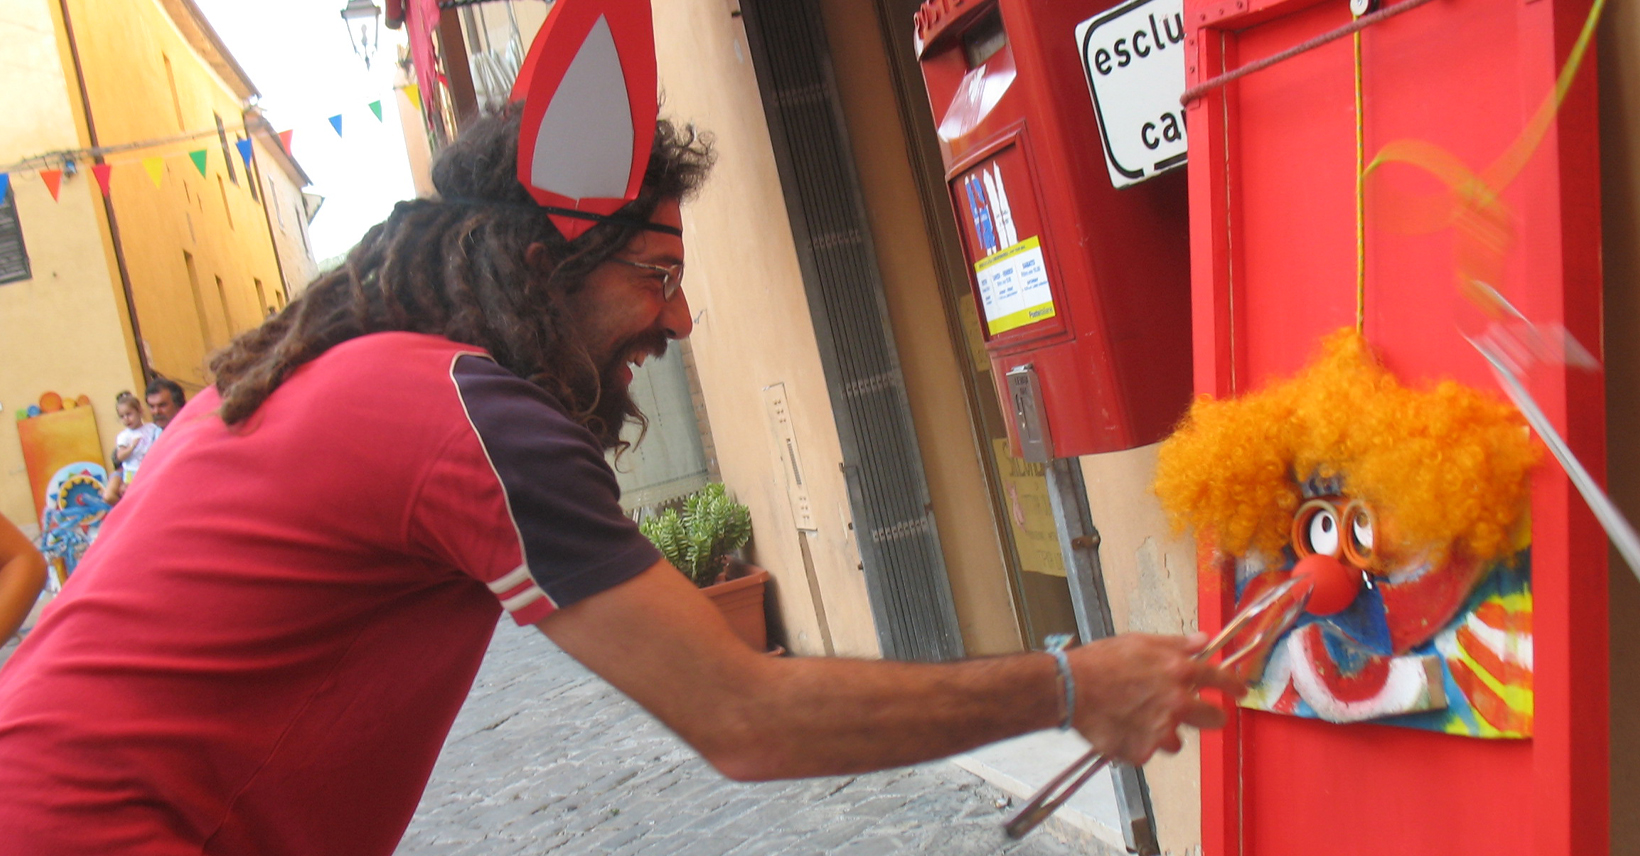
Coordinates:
[589,91]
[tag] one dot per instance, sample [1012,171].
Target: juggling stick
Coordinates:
[1512,347]
[1617,528]
[1295,592]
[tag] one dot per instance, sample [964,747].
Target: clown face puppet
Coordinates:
[1422,493]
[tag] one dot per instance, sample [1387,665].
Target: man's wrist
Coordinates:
[1064,680]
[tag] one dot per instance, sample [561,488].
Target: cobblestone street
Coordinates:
[546,758]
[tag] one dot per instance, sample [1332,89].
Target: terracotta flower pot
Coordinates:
[741,602]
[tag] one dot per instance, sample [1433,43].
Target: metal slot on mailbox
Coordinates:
[1030,416]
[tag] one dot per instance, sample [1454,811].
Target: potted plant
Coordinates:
[698,540]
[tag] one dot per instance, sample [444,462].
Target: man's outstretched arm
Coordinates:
[660,641]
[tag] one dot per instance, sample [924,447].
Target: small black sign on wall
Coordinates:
[13,255]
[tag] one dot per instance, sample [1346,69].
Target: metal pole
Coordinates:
[1079,544]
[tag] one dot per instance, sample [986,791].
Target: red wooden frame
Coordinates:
[1273,259]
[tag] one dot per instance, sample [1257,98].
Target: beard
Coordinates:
[615,405]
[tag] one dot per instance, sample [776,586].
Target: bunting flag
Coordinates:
[414,91]
[155,165]
[103,172]
[54,181]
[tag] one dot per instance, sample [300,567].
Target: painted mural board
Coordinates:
[63,455]
[52,441]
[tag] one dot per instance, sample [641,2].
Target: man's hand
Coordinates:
[1133,691]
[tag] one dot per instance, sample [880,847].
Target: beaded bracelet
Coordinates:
[1055,645]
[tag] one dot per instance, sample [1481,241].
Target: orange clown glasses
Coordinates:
[1321,526]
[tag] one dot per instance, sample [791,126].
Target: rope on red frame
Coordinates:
[1194,93]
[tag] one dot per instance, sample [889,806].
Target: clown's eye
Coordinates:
[1361,532]
[1323,532]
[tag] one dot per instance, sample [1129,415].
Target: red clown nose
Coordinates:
[1333,584]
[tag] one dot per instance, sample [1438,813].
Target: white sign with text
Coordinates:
[1134,59]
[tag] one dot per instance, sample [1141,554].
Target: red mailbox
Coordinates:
[1083,289]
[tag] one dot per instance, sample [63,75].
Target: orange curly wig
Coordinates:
[1442,468]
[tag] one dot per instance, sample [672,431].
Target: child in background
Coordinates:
[130,447]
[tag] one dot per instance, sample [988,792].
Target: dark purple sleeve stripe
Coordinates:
[562,495]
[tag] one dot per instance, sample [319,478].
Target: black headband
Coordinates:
[612,219]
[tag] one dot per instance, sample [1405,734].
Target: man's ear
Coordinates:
[534,254]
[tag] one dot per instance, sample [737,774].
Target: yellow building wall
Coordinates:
[61,330]
[146,83]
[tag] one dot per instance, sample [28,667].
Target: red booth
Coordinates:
[1447,90]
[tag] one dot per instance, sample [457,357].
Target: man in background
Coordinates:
[165,398]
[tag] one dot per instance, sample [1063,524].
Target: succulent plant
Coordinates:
[698,539]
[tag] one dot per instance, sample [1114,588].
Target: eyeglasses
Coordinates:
[671,275]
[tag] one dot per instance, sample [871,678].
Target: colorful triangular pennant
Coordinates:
[284,140]
[414,91]
[5,185]
[53,179]
[199,159]
[376,107]
[336,122]
[103,172]
[156,169]
[245,151]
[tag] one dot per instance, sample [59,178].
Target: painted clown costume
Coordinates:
[1422,492]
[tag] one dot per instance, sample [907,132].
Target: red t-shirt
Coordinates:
[265,648]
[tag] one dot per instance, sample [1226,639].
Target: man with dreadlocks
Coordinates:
[266,649]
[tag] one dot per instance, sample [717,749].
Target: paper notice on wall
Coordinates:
[1013,287]
[1029,510]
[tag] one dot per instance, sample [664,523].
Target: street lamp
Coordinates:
[364,29]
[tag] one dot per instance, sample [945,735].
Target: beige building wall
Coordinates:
[744,271]
[1619,51]
[417,146]
[1150,578]
[285,217]
[63,329]
[287,223]
[753,331]
[928,358]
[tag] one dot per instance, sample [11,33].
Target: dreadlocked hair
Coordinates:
[456,267]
